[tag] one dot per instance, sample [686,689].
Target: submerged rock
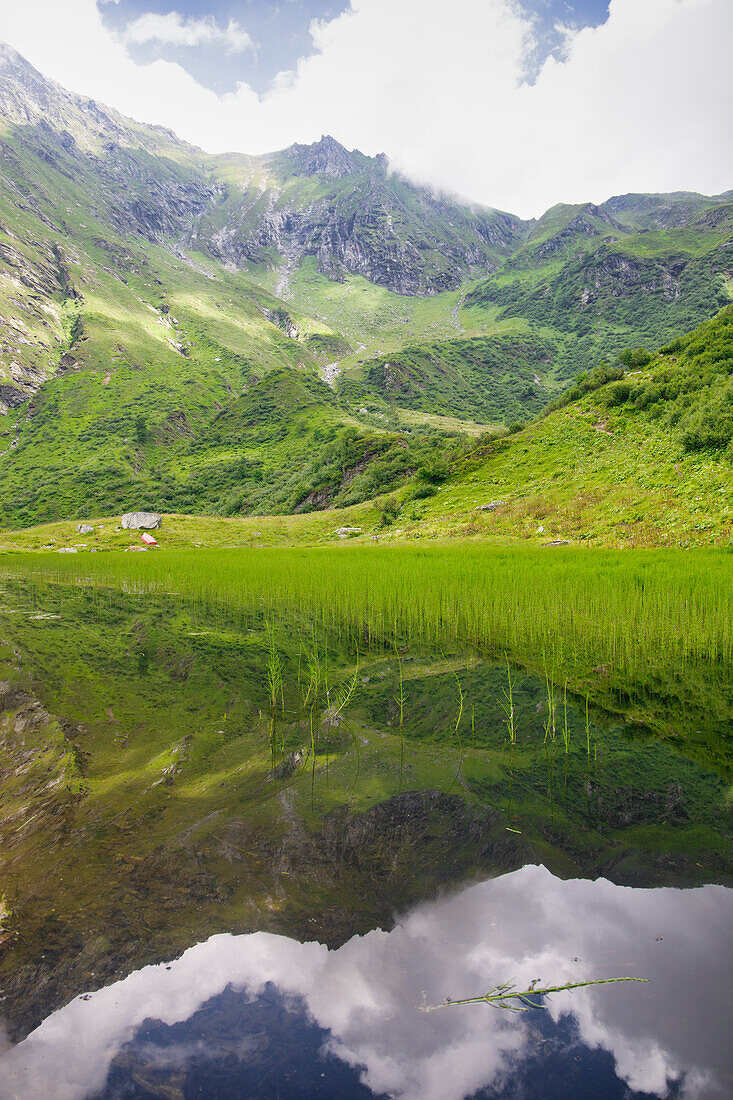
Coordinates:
[134,521]
[288,766]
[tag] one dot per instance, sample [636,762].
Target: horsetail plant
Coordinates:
[509,705]
[400,700]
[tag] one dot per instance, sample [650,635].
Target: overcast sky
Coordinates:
[514,104]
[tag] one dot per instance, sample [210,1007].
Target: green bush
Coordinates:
[709,423]
[422,492]
[587,382]
[141,429]
[435,471]
[617,393]
[388,510]
[648,394]
[635,357]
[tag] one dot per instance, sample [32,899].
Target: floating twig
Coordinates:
[498,995]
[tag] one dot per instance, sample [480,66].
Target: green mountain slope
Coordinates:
[665,211]
[602,287]
[644,458]
[638,454]
[148,292]
[492,378]
[562,231]
[120,349]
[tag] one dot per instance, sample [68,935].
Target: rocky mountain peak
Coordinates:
[326,157]
[24,93]
[29,99]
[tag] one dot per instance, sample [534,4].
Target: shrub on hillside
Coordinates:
[709,423]
[435,471]
[421,492]
[617,393]
[587,382]
[634,358]
[388,511]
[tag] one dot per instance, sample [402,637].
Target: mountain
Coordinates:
[639,268]
[562,230]
[153,296]
[636,454]
[352,215]
[670,211]
[343,208]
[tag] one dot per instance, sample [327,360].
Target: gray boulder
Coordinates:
[136,521]
[85,528]
[348,532]
[67,550]
[491,507]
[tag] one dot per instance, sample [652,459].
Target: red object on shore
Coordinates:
[148,539]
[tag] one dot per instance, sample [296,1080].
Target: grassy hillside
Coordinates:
[126,363]
[639,454]
[640,459]
[608,290]
[496,378]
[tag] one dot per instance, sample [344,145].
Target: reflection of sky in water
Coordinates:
[365,997]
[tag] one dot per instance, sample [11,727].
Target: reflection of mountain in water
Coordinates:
[235,1003]
[138,747]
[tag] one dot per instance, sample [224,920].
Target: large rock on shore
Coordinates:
[136,521]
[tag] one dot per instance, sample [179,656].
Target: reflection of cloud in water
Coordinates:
[367,994]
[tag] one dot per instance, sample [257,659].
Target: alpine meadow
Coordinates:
[421,698]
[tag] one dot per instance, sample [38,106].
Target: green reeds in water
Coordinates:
[275,692]
[457,731]
[565,730]
[607,619]
[508,707]
[625,610]
[400,700]
[511,726]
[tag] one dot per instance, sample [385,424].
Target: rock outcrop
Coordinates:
[324,158]
[383,227]
[137,521]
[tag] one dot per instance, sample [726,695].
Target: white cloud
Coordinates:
[172,29]
[639,103]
